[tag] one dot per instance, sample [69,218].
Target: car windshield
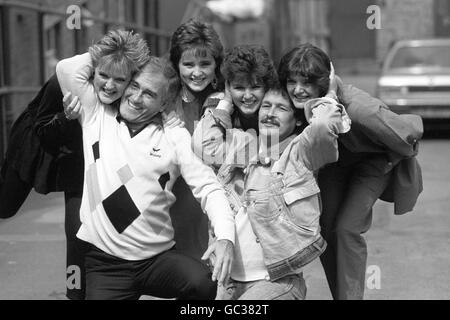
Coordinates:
[421,57]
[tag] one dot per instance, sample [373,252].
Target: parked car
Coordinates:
[415,78]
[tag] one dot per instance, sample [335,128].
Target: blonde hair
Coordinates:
[121,48]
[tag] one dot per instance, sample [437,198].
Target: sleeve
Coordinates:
[398,134]
[204,185]
[51,125]
[215,142]
[212,100]
[74,76]
[314,106]
[208,140]
[317,145]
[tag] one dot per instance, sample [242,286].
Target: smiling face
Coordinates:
[247,96]
[197,69]
[144,97]
[276,114]
[299,92]
[110,82]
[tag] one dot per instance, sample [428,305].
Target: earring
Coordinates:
[214,83]
[186,96]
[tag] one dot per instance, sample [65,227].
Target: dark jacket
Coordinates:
[376,129]
[61,138]
[44,147]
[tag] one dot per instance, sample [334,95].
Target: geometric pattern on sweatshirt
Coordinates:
[125,174]
[160,222]
[119,206]
[96,151]
[93,188]
[120,209]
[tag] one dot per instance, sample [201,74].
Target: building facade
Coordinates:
[36,34]
[358,48]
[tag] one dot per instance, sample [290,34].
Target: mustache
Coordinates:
[270,120]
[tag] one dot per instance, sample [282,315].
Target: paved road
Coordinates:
[411,252]
[363,82]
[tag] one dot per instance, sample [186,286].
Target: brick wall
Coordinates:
[404,19]
[23,58]
[400,19]
[24,53]
[24,50]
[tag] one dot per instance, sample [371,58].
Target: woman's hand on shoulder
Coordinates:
[333,87]
[172,120]
[72,106]
[217,95]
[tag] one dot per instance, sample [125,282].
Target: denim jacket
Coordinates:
[285,211]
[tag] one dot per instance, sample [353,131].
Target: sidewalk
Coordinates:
[32,250]
[411,251]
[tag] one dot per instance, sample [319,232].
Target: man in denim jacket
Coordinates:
[271,186]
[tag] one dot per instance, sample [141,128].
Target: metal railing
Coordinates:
[7,90]
[4,93]
[105,21]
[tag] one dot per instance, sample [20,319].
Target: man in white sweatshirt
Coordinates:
[131,164]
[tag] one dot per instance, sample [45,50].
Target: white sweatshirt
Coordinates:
[128,179]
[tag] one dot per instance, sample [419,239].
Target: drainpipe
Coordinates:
[4,76]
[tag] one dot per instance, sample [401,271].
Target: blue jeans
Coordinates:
[291,287]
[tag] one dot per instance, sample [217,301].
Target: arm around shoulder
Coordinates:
[319,140]
[51,125]
[211,136]
[204,185]
[74,76]
[397,133]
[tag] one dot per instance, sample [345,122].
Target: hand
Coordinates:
[228,97]
[172,120]
[220,254]
[332,89]
[72,106]
[333,82]
[226,103]
[334,114]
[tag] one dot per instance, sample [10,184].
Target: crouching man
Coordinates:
[273,193]
[131,164]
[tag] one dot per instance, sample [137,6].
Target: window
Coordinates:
[52,48]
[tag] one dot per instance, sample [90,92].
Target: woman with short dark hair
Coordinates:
[376,161]
[196,53]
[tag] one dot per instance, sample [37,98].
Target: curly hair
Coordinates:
[120,49]
[251,62]
[199,37]
[309,63]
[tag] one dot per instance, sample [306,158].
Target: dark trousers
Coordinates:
[348,195]
[189,221]
[170,274]
[13,191]
[75,248]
